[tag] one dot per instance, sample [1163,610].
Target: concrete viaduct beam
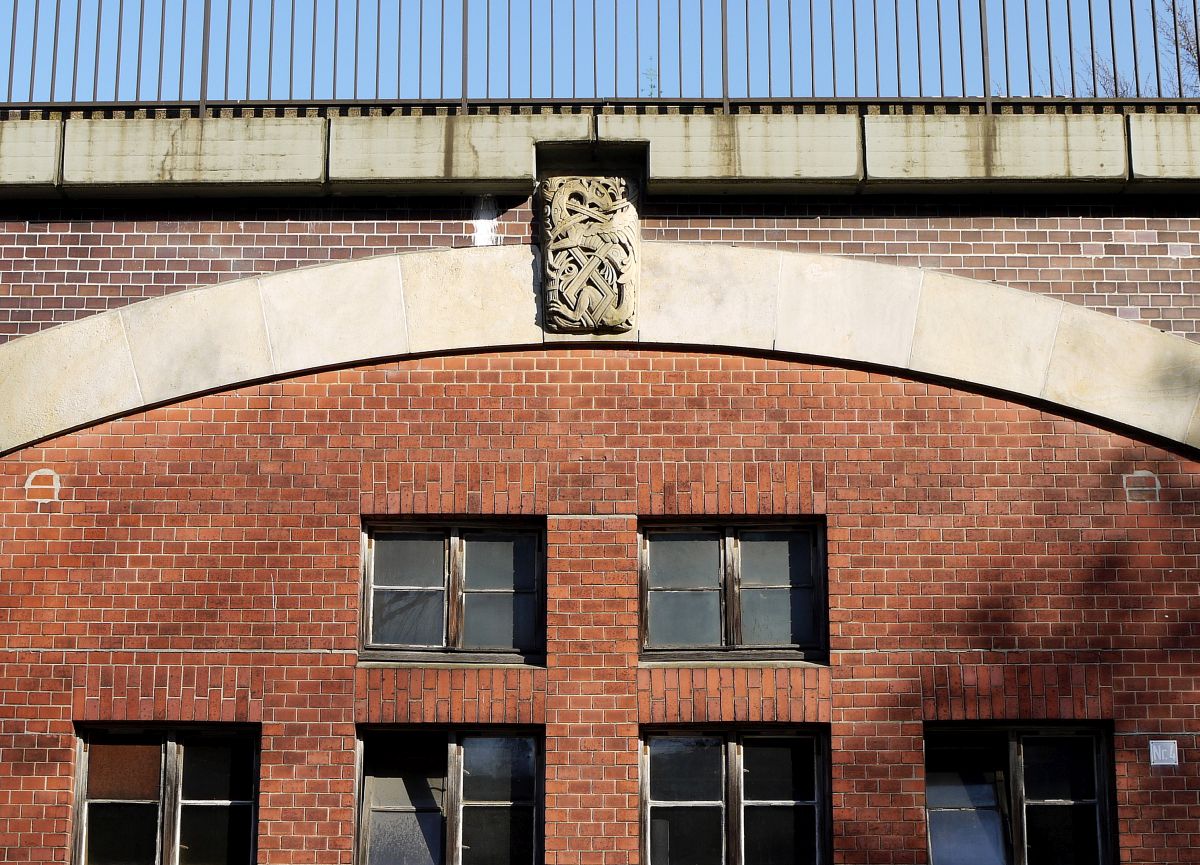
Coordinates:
[969,334]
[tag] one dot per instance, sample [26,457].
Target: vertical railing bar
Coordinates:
[249,45]
[96,58]
[33,47]
[312,57]
[920,59]
[985,51]
[791,43]
[1196,35]
[530,7]
[420,49]
[337,43]
[75,61]
[12,51]
[378,49]
[464,40]
[271,51]
[183,27]
[595,50]
[1112,45]
[162,45]
[658,59]
[1007,51]
[833,51]
[747,10]
[293,32]
[1137,68]
[1049,43]
[725,54]
[854,45]
[399,46]
[141,45]
[678,47]
[1157,58]
[616,47]
[228,40]
[875,35]
[770,55]
[1092,47]
[1028,50]
[120,36]
[700,5]
[574,49]
[962,51]
[205,39]
[896,29]
[357,32]
[941,52]
[1178,49]
[552,40]
[54,48]
[1071,50]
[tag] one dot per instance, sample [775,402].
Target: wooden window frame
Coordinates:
[734,801]
[1016,800]
[453,532]
[452,842]
[730,574]
[172,743]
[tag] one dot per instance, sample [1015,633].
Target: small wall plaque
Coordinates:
[1164,752]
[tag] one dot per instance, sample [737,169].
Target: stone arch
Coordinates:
[970,334]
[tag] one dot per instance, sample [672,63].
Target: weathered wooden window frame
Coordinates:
[730,606]
[454,593]
[454,803]
[734,802]
[1013,805]
[172,743]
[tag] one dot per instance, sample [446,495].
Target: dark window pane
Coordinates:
[496,561]
[778,769]
[967,838]
[684,618]
[215,835]
[965,771]
[218,769]
[776,559]
[408,771]
[497,769]
[405,838]
[684,769]
[410,560]
[686,836]
[1059,767]
[407,618]
[781,835]
[682,561]
[122,771]
[122,834]
[1062,834]
[777,617]
[498,621]
[497,836]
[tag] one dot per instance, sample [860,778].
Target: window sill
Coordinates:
[440,658]
[734,658]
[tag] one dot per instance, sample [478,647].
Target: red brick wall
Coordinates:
[984,563]
[1135,258]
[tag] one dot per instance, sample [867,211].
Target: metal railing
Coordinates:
[201,53]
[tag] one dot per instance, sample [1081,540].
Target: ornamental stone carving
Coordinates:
[591,254]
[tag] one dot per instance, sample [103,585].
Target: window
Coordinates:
[449,799]
[454,589]
[745,588]
[175,798]
[752,799]
[1017,797]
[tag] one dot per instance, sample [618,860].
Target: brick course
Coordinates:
[1138,259]
[985,562]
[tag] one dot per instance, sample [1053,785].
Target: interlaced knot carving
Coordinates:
[590,245]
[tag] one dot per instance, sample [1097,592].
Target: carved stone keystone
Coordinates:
[591,252]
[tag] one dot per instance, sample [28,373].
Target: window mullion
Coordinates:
[1016,777]
[454,592]
[453,806]
[734,798]
[169,801]
[731,578]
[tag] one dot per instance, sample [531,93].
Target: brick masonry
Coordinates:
[1136,258]
[985,562]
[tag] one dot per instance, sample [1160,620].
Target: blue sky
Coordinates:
[408,49]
